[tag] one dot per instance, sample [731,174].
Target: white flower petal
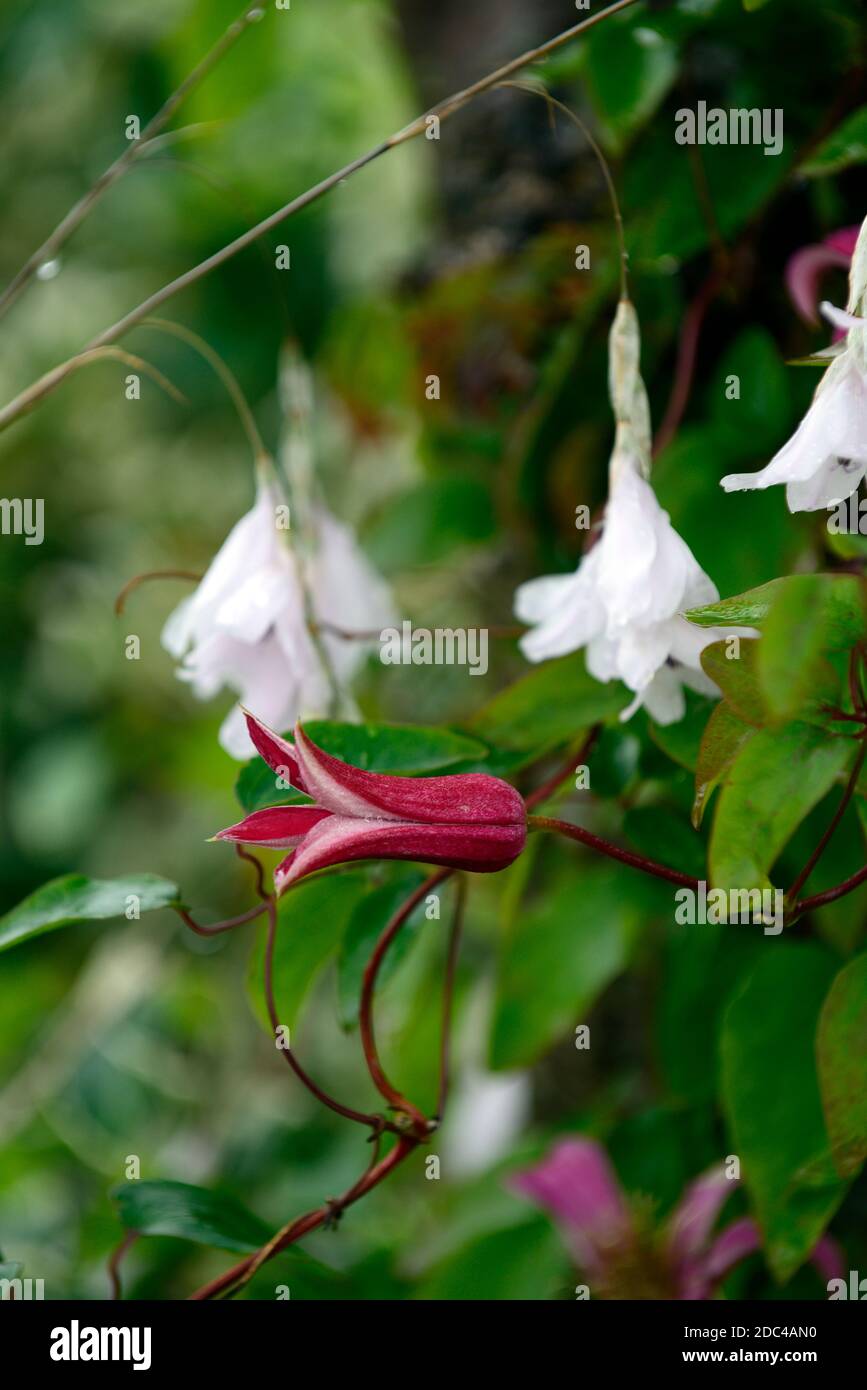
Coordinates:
[835,481]
[664,699]
[834,429]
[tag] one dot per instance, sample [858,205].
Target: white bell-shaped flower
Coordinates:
[625,601]
[246,628]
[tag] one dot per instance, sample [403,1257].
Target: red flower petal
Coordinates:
[278,754]
[276,827]
[472,798]
[344,839]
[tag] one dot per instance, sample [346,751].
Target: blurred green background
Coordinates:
[453,257]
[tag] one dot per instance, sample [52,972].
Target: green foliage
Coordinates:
[841,1047]
[836,603]
[558,955]
[192,1213]
[846,145]
[75,898]
[369,919]
[456,259]
[771,1096]
[773,781]
[548,706]
[724,736]
[311,921]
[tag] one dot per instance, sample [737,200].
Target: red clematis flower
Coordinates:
[468,821]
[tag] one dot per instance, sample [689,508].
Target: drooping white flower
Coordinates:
[625,601]
[245,628]
[624,604]
[826,458]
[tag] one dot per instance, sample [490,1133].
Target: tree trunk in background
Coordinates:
[503,175]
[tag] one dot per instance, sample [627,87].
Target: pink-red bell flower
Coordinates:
[468,821]
[684,1259]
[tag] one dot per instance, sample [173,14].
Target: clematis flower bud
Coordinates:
[468,821]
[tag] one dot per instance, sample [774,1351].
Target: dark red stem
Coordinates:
[365,1013]
[375,1121]
[625,856]
[303,1225]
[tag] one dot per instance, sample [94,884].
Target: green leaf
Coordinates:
[311,921]
[845,618]
[658,194]
[627,81]
[11,1269]
[736,676]
[723,738]
[400,749]
[368,920]
[75,898]
[701,969]
[191,1213]
[777,777]
[801,628]
[257,787]
[549,706]
[560,954]
[771,1098]
[844,146]
[841,1047]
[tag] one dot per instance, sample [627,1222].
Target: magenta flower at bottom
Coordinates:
[613,1244]
[468,821]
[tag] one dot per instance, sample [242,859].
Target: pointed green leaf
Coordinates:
[792,663]
[775,780]
[771,1097]
[75,898]
[723,738]
[845,146]
[845,596]
[192,1213]
[731,663]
